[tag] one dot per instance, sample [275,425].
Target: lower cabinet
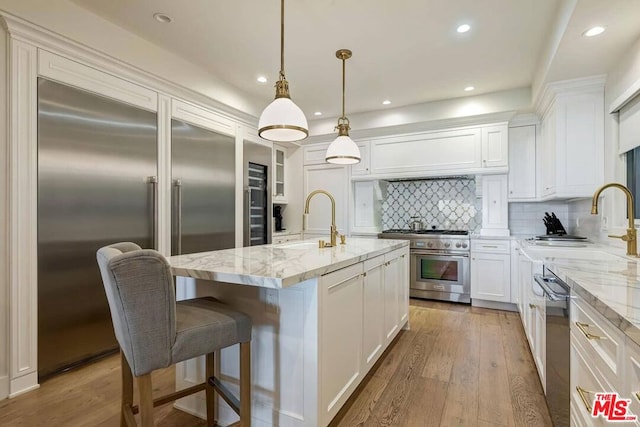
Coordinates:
[491,270]
[363,306]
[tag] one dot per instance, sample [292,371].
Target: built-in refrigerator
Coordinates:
[96,186]
[203,189]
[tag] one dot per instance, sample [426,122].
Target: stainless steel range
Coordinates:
[439,263]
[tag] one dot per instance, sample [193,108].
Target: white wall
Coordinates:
[4,205]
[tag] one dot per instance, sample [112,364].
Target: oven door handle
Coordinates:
[440,254]
[544,281]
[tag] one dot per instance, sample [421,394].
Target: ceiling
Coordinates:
[407,51]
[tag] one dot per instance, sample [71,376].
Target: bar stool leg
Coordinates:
[210,391]
[127,390]
[245,384]
[146,400]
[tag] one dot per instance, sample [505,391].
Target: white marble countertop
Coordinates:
[279,266]
[603,276]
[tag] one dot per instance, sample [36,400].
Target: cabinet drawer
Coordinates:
[337,277]
[395,254]
[601,340]
[492,246]
[631,389]
[583,385]
[373,262]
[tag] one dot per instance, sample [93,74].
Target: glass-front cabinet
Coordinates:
[279,159]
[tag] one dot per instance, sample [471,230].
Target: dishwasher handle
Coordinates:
[544,281]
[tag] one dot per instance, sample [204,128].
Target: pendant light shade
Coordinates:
[282,120]
[343,151]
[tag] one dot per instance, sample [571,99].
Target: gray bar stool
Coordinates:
[155,332]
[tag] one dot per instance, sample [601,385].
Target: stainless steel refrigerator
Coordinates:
[97,160]
[203,191]
[257,160]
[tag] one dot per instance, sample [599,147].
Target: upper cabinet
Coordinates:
[495,149]
[572,134]
[522,163]
[280,190]
[468,150]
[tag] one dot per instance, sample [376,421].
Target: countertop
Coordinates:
[603,276]
[279,266]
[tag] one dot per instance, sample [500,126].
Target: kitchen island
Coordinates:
[321,318]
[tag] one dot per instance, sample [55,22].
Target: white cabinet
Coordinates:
[427,152]
[363,167]
[522,163]
[515,274]
[391,298]
[495,147]
[491,270]
[342,326]
[280,190]
[335,180]
[573,141]
[631,389]
[495,208]
[374,297]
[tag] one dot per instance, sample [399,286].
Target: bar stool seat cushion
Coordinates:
[204,325]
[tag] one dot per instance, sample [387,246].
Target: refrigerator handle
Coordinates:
[153,180]
[178,184]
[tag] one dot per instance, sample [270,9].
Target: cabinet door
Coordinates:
[525,276]
[490,277]
[362,168]
[341,342]
[391,298]
[335,180]
[373,303]
[548,132]
[279,174]
[495,149]
[515,274]
[522,162]
[403,288]
[495,208]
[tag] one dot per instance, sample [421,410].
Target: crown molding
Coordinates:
[568,87]
[23,30]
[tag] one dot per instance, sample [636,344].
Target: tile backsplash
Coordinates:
[447,203]
[526,218]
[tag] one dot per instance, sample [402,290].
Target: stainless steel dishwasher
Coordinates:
[557,303]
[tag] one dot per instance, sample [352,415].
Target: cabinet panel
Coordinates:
[335,180]
[490,277]
[495,211]
[495,149]
[403,288]
[522,162]
[341,352]
[391,298]
[427,152]
[314,154]
[373,297]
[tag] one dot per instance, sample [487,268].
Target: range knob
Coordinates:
[464,245]
[446,245]
[430,244]
[458,244]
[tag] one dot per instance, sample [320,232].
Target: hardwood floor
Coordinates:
[458,365]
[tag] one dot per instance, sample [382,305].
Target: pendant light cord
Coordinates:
[343,85]
[282,40]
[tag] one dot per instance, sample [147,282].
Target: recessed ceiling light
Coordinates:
[463,28]
[386,102]
[161,17]
[469,88]
[593,31]
[262,79]
[317,113]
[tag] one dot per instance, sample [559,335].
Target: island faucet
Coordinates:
[631,236]
[334,229]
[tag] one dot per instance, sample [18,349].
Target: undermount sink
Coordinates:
[298,245]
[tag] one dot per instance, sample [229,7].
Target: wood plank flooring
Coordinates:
[457,366]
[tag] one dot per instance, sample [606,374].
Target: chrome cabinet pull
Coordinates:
[583,328]
[582,392]
[154,210]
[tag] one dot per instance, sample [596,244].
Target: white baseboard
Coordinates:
[507,306]
[23,384]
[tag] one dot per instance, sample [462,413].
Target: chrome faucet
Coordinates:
[631,237]
[334,229]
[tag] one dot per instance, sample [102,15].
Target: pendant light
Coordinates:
[282,120]
[343,150]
